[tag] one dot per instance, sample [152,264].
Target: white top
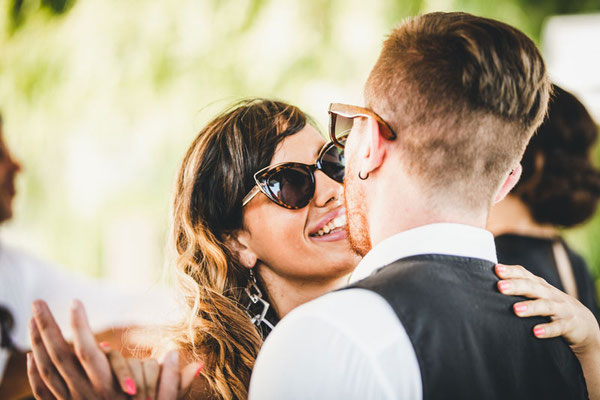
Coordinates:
[350,344]
[24,279]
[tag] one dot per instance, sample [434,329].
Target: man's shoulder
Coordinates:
[428,269]
[357,314]
[348,344]
[14,258]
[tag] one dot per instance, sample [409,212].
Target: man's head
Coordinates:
[8,170]
[463,95]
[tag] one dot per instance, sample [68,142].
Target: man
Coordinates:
[452,102]
[24,278]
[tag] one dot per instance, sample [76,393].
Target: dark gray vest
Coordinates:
[468,342]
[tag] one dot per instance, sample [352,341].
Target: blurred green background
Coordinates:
[102,97]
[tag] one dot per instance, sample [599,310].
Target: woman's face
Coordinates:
[293,243]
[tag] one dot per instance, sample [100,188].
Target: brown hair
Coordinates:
[216,173]
[463,94]
[560,185]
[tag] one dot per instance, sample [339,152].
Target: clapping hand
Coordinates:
[90,371]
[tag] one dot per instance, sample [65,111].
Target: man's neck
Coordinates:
[393,212]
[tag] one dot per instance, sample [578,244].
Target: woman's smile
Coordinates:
[332,227]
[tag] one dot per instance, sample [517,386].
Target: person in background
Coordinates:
[559,188]
[24,278]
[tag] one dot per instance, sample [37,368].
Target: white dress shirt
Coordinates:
[350,344]
[24,278]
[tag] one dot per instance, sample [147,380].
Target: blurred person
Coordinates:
[559,188]
[24,278]
[452,101]
[255,238]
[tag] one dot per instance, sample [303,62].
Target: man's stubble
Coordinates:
[357,227]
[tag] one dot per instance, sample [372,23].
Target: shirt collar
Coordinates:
[443,238]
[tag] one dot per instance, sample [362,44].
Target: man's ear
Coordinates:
[375,149]
[239,243]
[509,183]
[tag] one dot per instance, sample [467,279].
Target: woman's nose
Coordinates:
[326,189]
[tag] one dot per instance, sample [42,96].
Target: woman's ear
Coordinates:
[239,243]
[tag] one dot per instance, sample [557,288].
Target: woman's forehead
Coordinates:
[301,147]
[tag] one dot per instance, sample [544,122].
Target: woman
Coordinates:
[258,229]
[280,249]
[287,245]
[559,188]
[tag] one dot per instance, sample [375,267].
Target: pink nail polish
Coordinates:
[130,388]
[104,345]
[503,286]
[500,268]
[520,308]
[539,331]
[199,370]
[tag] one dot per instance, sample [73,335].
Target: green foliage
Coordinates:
[20,10]
[102,97]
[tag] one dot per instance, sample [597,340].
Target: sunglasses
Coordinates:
[341,118]
[292,185]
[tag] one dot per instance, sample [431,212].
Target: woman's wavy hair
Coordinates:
[560,184]
[215,175]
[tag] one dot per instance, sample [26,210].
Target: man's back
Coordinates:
[467,341]
[419,325]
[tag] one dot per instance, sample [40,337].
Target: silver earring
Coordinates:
[360,176]
[257,307]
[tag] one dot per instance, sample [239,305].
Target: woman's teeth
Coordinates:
[338,222]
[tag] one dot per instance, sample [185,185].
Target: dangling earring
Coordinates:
[360,176]
[257,303]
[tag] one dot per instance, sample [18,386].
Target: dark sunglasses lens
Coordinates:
[292,186]
[333,163]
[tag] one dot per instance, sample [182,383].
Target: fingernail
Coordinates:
[37,306]
[503,286]
[174,357]
[500,268]
[75,305]
[520,308]
[130,388]
[199,370]
[539,331]
[104,345]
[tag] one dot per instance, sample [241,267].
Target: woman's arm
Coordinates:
[569,318]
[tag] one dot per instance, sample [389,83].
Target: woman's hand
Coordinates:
[56,371]
[146,374]
[569,318]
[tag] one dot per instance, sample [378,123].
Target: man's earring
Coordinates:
[361,178]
